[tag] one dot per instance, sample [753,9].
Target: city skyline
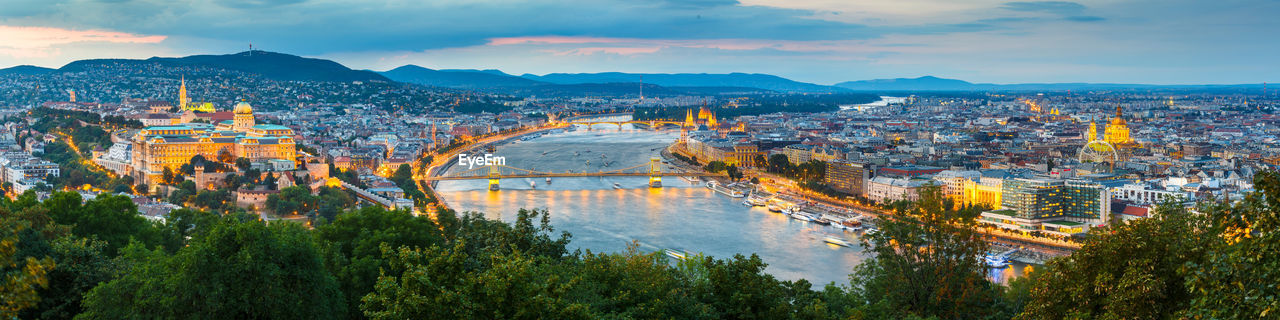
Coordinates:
[821,42]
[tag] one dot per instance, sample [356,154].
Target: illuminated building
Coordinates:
[1117,133]
[158,147]
[847,176]
[1050,205]
[182,94]
[983,192]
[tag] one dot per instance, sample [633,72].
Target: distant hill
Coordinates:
[748,80]
[276,66]
[921,83]
[25,70]
[461,79]
[931,83]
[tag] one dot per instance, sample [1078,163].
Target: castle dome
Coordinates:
[242,108]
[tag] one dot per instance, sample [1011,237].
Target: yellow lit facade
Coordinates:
[977,193]
[1117,133]
[159,147]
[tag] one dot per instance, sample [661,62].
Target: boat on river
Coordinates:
[801,215]
[996,261]
[617,186]
[837,241]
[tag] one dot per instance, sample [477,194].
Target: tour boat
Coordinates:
[533,185]
[837,241]
[617,186]
[851,224]
[819,219]
[996,261]
[548,180]
[774,207]
[798,215]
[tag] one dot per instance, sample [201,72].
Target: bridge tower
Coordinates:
[655,173]
[493,178]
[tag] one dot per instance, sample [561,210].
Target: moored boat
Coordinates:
[837,241]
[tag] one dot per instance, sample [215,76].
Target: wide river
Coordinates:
[680,215]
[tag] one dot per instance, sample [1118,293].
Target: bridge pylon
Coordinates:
[493,178]
[655,173]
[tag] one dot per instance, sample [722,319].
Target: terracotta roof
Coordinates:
[1136,211]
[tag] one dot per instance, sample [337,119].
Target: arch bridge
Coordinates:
[652,169]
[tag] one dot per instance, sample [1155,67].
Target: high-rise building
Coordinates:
[1032,198]
[1051,206]
[1086,201]
[848,176]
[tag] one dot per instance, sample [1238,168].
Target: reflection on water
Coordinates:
[680,216]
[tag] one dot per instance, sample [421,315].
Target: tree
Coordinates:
[111,218]
[225,156]
[928,262]
[243,164]
[81,265]
[1125,271]
[292,200]
[352,245]
[168,177]
[237,269]
[19,279]
[437,284]
[733,172]
[270,182]
[1237,279]
[778,163]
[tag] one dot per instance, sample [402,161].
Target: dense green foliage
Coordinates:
[813,170]
[403,177]
[928,263]
[97,259]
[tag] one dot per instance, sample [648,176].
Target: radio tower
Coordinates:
[642,88]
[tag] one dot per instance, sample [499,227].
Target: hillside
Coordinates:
[921,83]
[275,66]
[749,80]
[25,70]
[461,79]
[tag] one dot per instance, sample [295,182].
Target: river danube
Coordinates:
[680,215]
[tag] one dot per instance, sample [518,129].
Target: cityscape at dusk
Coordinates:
[671,159]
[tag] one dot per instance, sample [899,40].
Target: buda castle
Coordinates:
[171,146]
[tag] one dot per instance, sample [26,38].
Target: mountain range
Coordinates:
[286,67]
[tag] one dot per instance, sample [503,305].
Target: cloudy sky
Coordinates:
[821,41]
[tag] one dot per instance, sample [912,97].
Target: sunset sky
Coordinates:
[821,41]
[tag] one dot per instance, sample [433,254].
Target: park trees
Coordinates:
[928,262]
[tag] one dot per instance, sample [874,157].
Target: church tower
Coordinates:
[1093,131]
[243,119]
[182,95]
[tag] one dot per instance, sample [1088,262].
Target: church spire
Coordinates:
[182,94]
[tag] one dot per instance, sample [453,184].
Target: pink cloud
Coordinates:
[552,40]
[608,50]
[25,42]
[651,45]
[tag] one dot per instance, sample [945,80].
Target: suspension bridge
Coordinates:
[652,124]
[652,169]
